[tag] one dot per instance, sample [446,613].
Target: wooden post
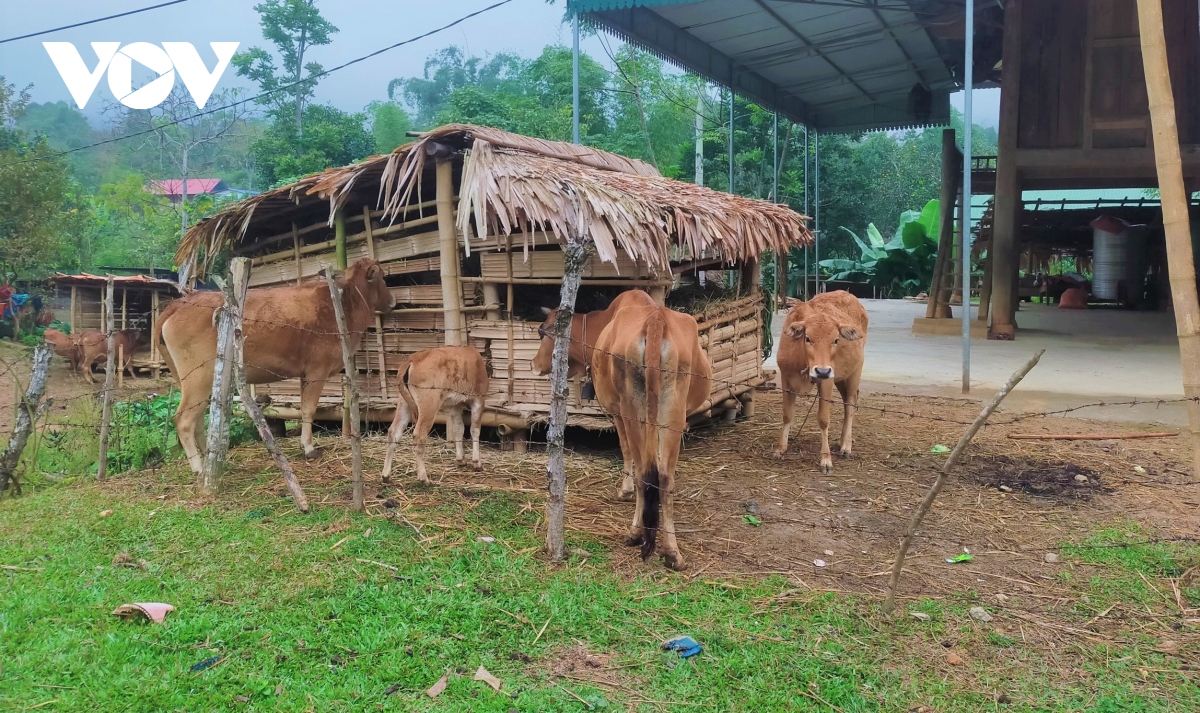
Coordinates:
[106,411]
[1175,199]
[240,273]
[339,240]
[370,231]
[451,288]
[154,370]
[491,296]
[962,283]
[27,411]
[351,388]
[74,302]
[950,180]
[124,309]
[1007,204]
[955,454]
[217,446]
[574,258]
[985,288]
[296,254]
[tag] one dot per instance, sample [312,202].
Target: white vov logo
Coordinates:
[165,60]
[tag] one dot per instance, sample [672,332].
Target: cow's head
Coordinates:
[368,277]
[821,337]
[544,359]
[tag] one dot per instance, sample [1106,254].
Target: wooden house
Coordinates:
[137,302]
[467,223]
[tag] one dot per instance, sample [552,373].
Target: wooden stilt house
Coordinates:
[467,222]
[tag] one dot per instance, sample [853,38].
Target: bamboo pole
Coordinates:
[28,408]
[106,411]
[217,443]
[154,371]
[296,254]
[240,274]
[339,241]
[448,234]
[1180,266]
[575,257]
[370,231]
[74,302]
[890,601]
[351,389]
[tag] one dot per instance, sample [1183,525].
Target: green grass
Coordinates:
[301,625]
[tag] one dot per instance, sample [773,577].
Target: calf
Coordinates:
[823,341]
[93,346]
[454,375]
[649,372]
[65,346]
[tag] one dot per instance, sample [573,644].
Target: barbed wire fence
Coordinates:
[130,413]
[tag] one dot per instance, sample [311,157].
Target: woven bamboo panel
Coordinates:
[283,271]
[549,264]
[408,246]
[408,321]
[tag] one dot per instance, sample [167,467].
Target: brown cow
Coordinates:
[454,375]
[65,346]
[649,371]
[93,346]
[289,332]
[823,340]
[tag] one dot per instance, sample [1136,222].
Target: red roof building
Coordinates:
[173,187]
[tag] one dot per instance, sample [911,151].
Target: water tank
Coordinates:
[1118,255]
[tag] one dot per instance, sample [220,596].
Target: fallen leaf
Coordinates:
[980,614]
[486,676]
[1168,646]
[154,611]
[1050,558]
[751,520]
[485,539]
[819,563]
[367,533]
[919,615]
[105,513]
[392,689]
[436,689]
[242,699]
[939,448]
[954,659]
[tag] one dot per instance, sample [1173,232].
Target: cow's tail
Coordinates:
[402,387]
[655,326]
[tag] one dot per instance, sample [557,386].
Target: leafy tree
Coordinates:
[294,27]
[36,193]
[332,138]
[66,128]
[389,125]
[448,70]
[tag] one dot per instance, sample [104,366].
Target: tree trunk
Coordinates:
[574,258]
[351,388]
[218,412]
[24,423]
[1176,225]
[106,411]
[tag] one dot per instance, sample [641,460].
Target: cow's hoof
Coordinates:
[634,540]
[844,452]
[778,452]
[314,453]
[674,560]
[827,467]
[625,495]
[478,467]
[387,479]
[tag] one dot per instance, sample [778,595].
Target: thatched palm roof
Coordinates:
[512,183]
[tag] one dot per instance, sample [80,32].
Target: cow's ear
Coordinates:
[547,311]
[795,330]
[850,333]
[374,272]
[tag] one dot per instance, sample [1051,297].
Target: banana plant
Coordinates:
[900,267]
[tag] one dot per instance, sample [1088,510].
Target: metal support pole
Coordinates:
[780,256]
[968,118]
[804,292]
[731,140]
[575,77]
[817,211]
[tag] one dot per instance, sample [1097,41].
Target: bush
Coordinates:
[901,267]
[143,432]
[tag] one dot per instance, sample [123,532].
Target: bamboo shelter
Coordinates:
[468,224]
[79,300]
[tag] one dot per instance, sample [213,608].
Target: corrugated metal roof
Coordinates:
[127,281]
[837,66]
[1073,199]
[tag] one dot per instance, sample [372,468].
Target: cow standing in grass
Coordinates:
[823,341]
[433,377]
[290,332]
[649,371]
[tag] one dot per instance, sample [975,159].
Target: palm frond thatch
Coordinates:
[511,183]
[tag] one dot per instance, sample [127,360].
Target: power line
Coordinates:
[90,22]
[306,80]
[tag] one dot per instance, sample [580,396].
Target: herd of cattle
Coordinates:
[644,361]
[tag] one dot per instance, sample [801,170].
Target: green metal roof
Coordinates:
[835,65]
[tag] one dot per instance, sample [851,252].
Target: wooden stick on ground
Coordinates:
[106,411]
[351,389]
[23,424]
[1087,437]
[955,454]
[239,274]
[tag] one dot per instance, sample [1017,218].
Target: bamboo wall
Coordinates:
[134,306]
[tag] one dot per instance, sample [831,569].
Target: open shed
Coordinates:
[468,222]
[138,300]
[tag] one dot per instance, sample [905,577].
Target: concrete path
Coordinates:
[1093,355]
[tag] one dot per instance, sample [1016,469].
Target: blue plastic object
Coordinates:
[685,645]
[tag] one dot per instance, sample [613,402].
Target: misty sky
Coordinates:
[522,26]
